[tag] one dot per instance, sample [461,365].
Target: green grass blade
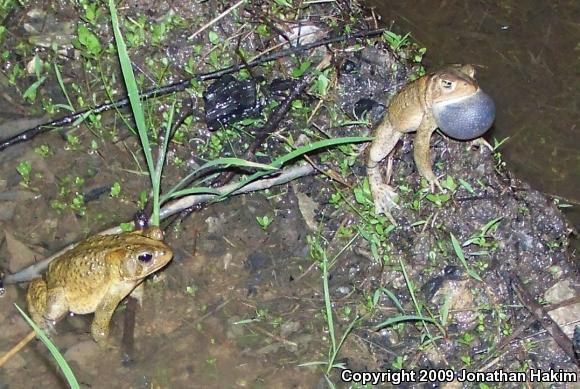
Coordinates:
[173,193]
[136,108]
[444,311]
[461,256]
[131,84]
[163,149]
[62,88]
[279,162]
[328,308]
[393,298]
[62,363]
[329,382]
[402,319]
[490,224]
[411,289]
[343,339]
[82,118]
[195,190]
[161,156]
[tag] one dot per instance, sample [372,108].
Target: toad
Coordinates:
[449,99]
[95,276]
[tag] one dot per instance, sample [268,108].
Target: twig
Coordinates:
[216,19]
[275,337]
[176,87]
[175,206]
[16,348]
[541,315]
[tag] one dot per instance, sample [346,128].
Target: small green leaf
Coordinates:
[89,41]
[449,183]
[284,3]
[30,93]
[116,189]
[321,84]
[466,185]
[304,66]
[213,38]
[438,199]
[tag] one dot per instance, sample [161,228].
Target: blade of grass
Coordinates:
[194,190]
[173,193]
[340,343]
[62,363]
[402,319]
[63,89]
[136,108]
[411,289]
[461,256]
[328,309]
[279,162]
[131,84]
[161,155]
[393,298]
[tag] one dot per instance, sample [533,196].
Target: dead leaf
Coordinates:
[308,209]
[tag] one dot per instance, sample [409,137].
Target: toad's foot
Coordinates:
[48,327]
[384,197]
[104,341]
[480,142]
[434,182]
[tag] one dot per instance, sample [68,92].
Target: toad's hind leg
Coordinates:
[384,196]
[37,301]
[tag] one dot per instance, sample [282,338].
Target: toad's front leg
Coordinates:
[103,315]
[422,151]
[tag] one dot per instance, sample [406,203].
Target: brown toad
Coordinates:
[95,276]
[449,99]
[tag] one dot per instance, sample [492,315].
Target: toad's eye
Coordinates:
[145,257]
[446,84]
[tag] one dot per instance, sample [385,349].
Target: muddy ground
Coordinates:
[242,305]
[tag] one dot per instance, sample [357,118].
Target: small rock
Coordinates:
[566,316]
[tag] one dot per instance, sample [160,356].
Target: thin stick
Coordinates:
[216,19]
[16,348]
[175,206]
[541,315]
[176,87]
